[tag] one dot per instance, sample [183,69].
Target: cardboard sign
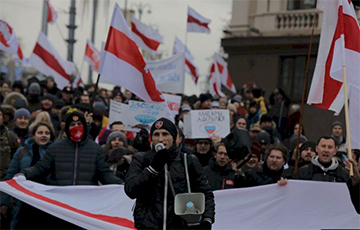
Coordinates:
[136,114]
[173,102]
[205,123]
[169,73]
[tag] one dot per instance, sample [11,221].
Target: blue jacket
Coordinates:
[22,160]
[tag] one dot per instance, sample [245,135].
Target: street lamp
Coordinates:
[141,7]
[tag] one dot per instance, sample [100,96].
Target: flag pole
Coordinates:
[95,92]
[303,96]
[347,121]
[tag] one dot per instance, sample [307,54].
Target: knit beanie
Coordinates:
[204,97]
[307,144]
[293,140]
[337,123]
[34,87]
[116,134]
[166,124]
[22,112]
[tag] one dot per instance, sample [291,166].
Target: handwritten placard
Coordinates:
[205,123]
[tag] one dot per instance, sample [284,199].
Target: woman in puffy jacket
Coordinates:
[34,148]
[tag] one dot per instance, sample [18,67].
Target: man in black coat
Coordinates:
[270,172]
[219,171]
[145,181]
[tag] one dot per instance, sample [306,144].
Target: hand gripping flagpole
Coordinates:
[303,96]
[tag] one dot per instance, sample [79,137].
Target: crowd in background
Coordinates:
[34,116]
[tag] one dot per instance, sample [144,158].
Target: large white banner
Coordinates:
[205,123]
[136,114]
[298,205]
[169,73]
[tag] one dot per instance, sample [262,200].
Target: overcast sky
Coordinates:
[168,16]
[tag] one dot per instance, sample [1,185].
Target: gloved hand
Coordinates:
[205,225]
[20,176]
[160,158]
[141,141]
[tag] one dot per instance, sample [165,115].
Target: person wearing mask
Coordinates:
[270,172]
[33,150]
[74,160]
[21,124]
[34,97]
[148,171]
[219,171]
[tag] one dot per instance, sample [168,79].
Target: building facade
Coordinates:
[267,42]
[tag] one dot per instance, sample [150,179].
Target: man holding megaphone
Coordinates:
[155,177]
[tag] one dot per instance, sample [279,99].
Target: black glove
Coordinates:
[160,158]
[205,225]
[141,141]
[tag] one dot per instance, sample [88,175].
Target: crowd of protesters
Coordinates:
[37,117]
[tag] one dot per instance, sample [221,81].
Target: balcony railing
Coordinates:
[293,20]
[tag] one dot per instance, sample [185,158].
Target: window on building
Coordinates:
[300,4]
[293,73]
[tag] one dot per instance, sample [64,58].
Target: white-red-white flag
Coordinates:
[77,81]
[122,63]
[92,56]
[339,45]
[52,15]
[8,40]
[46,59]
[190,66]
[145,37]
[197,23]
[224,73]
[215,79]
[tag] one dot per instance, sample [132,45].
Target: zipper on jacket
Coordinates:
[75,163]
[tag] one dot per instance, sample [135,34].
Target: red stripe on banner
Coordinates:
[126,49]
[152,44]
[91,54]
[215,89]
[350,27]
[229,83]
[110,219]
[50,61]
[19,53]
[192,70]
[50,13]
[220,67]
[2,38]
[191,19]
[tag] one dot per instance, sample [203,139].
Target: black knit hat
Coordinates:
[74,115]
[307,144]
[164,123]
[204,97]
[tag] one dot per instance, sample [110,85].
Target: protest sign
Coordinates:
[173,102]
[136,114]
[205,123]
[168,73]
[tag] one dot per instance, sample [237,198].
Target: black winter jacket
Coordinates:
[219,177]
[315,171]
[148,189]
[68,163]
[258,176]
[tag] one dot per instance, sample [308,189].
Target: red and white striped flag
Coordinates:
[224,73]
[77,81]
[190,66]
[122,63]
[92,56]
[52,15]
[215,79]
[145,37]
[46,59]
[339,46]
[8,40]
[197,23]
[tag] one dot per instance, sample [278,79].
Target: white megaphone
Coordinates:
[189,206]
